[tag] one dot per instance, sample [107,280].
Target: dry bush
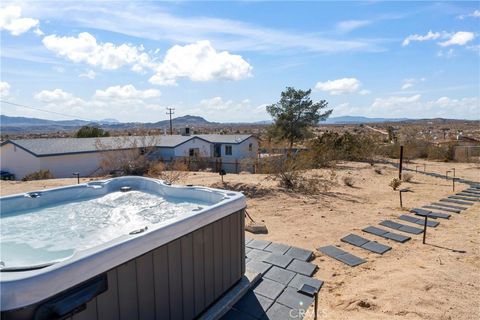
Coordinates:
[126,155]
[395,183]
[170,173]
[348,181]
[38,175]
[407,177]
[292,173]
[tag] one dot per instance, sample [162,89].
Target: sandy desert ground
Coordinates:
[439,280]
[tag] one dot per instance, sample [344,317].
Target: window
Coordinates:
[228,150]
[193,152]
[250,147]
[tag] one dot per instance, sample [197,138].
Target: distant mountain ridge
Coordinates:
[35,125]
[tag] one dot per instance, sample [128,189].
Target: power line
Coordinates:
[170,112]
[47,111]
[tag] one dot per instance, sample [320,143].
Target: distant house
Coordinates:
[63,156]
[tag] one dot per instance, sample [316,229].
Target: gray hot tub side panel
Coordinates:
[178,280]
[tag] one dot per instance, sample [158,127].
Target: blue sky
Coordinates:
[226,61]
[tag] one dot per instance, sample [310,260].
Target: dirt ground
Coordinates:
[439,280]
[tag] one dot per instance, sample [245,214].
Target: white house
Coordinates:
[63,156]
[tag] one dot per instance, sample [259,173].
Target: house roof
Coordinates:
[58,146]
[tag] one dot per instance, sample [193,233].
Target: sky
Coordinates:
[226,61]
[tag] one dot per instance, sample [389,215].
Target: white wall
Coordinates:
[63,166]
[240,151]
[17,161]
[205,148]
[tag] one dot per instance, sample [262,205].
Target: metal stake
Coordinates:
[316,305]
[401,204]
[401,164]
[453,180]
[78,176]
[446,174]
[425,229]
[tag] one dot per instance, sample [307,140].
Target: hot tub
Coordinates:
[123,248]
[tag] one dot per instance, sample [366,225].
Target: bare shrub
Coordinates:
[395,183]
[126,155]
[292,173]
[170,173]
[348,181]
[38,175]
[407,177]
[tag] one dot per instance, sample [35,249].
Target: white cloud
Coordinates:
[450,53]
[90,74]
[392,102]
[4,89]
[126,92]
[416,37]
[125,103]
[349,25]
[474,14]
[414,107]
[364,92]
[58,96]
[408,83]
[340,86]
[85,49]
[218,104]
[199,62]
[151,21]
[460,38]
[12,21]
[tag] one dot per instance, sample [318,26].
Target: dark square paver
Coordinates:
[258,244]
[269,288]
[278,260]
[396,237]
[442,209]
[331,251]
[279,248]
[256,254]
[374,230]
[280,275]
[457,202]
[376,247]
[430,214]
[258,266]
[341,255]
[299,280]
[299,253]
[354,240]
[410,229]
[280,312]
[253,304]
[295,300]
[449,206]
[390,224]
[350,259]
[418,221]
[305,268]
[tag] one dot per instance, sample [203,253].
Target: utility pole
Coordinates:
[169,113]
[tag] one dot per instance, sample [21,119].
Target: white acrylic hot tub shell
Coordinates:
[23,288]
